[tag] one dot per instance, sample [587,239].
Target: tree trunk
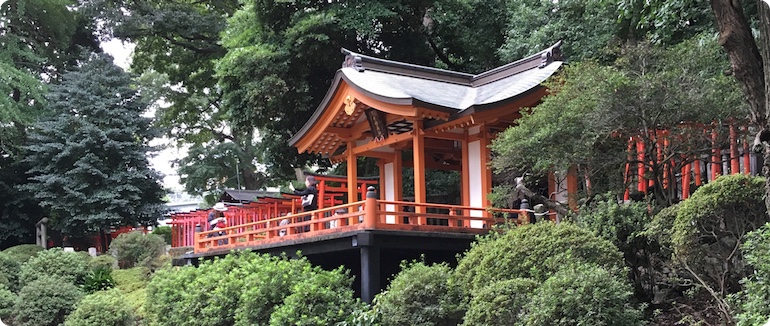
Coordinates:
[747,65]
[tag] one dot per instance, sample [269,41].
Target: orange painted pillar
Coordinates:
[735,164]
[572,187]
[698,177]
[418,152]
[352,173]
[465,177]
[686,181]
[642,183]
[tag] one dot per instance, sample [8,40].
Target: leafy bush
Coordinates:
[22,253]
[98,280]
[753,308]
[103,262]
[102,308]
[134,248]
[46,301]
[68,265]
[661,228]
[9,272]
[132,283]
[500,303]
[533,251]
[325,298]
[709,229]
[585,294]
[621,224]
[239,289]
[164,232]
[420,295]
[7,301]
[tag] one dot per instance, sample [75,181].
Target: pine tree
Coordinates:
[89,163]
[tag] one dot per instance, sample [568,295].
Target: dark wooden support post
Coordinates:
[370,272]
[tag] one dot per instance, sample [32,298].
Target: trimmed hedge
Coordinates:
[70,266]
[420,295]
[102,308]
[46,301]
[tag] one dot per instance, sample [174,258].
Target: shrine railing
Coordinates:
[369,214]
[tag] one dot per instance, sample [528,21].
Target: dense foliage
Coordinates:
[46,301]
[69,266]
[500,303]
[533,251]
[134,248]
[584,294]
[7,302]
[102,308]
[248,289]
[711,226]
[420,294]
[752,300]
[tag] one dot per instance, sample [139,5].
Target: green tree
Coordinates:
[89,159]
[600,107]
[38,40]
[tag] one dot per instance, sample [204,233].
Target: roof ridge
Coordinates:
[361,62]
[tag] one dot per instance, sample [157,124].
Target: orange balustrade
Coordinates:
[367,214]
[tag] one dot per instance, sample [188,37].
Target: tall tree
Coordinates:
[38,40]
[648,90]
[89,160]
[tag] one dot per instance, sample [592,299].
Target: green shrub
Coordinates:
[9,272]
[68,265]
[164,232]
[533,251]
[22,253]
[98,280]
[500,303]
[420,295]
[103,262]
[710,228]
[132,283]
[7,301]
[585,294]
[134,248]
[661,228]
[102,308]
[324,298]
[621,224]
[752,301]
[46,301]
[240,289]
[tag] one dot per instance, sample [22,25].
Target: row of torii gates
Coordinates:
[403,115]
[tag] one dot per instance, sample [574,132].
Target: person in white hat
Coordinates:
[217,219]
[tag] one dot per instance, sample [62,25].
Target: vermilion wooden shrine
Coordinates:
[403,115]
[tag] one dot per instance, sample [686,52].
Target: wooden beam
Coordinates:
[393,139]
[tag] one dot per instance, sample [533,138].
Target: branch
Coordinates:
[551,204]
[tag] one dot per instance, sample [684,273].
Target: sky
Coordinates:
[121,52]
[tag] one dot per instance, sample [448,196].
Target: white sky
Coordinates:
[162,162]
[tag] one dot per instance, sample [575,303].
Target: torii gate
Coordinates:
[379,108]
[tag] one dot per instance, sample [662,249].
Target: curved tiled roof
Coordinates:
[454,92]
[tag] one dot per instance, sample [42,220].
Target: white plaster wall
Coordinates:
[475,175]
[390,191]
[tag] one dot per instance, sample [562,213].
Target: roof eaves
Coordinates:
[537,60]
[317,113]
